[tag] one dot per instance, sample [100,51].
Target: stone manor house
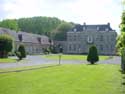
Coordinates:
[81,37]
[34,44]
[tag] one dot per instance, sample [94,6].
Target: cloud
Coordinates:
[2,11]
[79,11]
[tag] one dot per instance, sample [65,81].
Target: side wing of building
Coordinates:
[34,44]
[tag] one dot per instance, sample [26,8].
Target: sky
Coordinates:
[77,11]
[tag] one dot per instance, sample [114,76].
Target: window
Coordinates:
[79,46]
[112,38]
[75,38]
[97,28]
[70,47]
[75,30]
[74,47]
[101,47]
[107,29]
[84,28]
[101,37]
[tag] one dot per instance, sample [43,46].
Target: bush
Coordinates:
[18,54]
[123,60]
[93,55]
[6,45]
[46,50]
[21,53]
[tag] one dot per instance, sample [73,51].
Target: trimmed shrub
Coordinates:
[21,53]
[6,45]
[93,55]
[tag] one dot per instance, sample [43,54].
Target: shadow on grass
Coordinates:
[122,72]
[92,64]
[123,83]
[29,69]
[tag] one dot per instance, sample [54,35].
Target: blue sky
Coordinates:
[78,11]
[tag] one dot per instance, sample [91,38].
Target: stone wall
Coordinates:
[79,42]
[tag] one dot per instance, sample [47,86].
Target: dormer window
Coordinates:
[75,30]
[20,37]
[107,29]
[39,39]
[97,28]
[84,28]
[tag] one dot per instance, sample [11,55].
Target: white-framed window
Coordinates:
[75,30]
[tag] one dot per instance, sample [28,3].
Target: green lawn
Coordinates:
[7,60]
[64,79]
[72,57]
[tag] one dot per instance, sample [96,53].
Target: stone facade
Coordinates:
[34,44]
[81,37]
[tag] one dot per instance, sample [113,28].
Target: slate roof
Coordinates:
[101,27]
[9,32]
[26,37]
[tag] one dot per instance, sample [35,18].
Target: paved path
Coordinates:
[38,60]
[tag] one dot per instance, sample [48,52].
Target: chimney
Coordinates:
[108,24]
[84,23]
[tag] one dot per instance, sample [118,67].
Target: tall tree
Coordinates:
[39,25]
[121,42]
[121,38]
[61,30]
[10,23]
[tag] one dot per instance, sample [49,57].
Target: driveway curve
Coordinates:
[38,60]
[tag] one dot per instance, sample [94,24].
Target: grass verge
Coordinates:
[7,60]
[64,79]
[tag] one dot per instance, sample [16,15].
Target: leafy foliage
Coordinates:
[121,38]
[50,26]
[93,55]
[21,52]
[6,45]
[11,24]
[123,59]
[64,27]
[38,25]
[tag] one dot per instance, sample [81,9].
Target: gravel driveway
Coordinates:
[38,60]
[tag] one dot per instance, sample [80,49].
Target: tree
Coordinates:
[121,42]
[39,24]
[93,55]
[123,59]
[21,53]
[11,24]
[6,45]
[61,30]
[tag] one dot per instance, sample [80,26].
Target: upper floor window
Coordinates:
[97,28]
[75,30]
[101,37]
[75,37]
[84,28]
[107,29]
